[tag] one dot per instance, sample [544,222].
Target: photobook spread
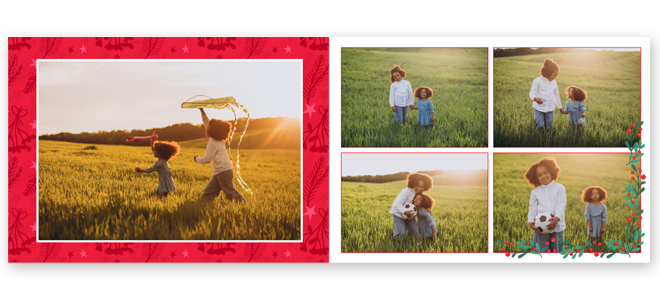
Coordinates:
[317,150]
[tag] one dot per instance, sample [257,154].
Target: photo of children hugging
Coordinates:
[416,202]
[390,97]
[547,198]
[611,75]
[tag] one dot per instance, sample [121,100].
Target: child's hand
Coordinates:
[553,223]
[412,106]
[431,119]
[138,170]
[531,224]
[561,110]
[408,213]
[583,113]
[538,100]
[393,109]
[195,158]
[602,230]
[591,230]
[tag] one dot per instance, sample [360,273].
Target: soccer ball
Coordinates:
[542,221]
[407,207]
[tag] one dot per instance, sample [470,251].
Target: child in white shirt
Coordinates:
[545,95]
[401,95]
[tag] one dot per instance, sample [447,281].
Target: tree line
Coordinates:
[441,177]
[504,52]
[177,132]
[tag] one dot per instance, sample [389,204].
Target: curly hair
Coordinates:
[549,67]
[414,178]
[427,201]
[586,194]
[578,93]
[549,163]
[218,130]
[397,69]
[418,92]
[166,150]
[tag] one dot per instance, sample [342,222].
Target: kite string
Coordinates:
[238,155]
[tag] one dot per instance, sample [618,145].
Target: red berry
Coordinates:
[591,249]
[633,201]
[640,217]
[553,240]
[632,178]
[593,242]
[628,131]
[628,219]
[554,250]
[527,243]
[511,244]
[633,214]
[571,253]
[505,242]
[502,249]
[639,134]
[633,125]
[616,244]
[640,129]
[623,249]
[547,243]
[596,254]
[633,157]
[639,151]
[632,172]
[634,246]
[549,251]
[534,249]
[640,171]
[507,254]
[639,223]
[639,240]
[643,176]
[628,194]
[599,244]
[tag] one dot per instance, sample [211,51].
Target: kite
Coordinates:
[222,103]
[135,139]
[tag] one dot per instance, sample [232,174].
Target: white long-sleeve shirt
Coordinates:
[401,94]
[216,153]
[548,92]
[548,198]
[406,196]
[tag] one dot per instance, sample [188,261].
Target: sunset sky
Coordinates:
[87,95]
[355,164]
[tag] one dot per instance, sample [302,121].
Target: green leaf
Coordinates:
[573,257]
[640,124]
[521,255]
[501,244]
[602,254]
[514,255]
[628,145]
[565,255]
[581,254]
[635,249]
[631,205]
[636,160]
[634,168]
[612,254]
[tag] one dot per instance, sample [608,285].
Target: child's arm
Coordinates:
[587,216]
[533,211]
[208,155]
[411,97]
[558,99]
[604,216]
[584,109]
[431,103]
[532,92]
[205,119]
[560,207]
[392,91]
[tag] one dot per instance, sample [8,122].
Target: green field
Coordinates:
[460,212]
[96,195]
[458,77]
[611,79]
[578,171]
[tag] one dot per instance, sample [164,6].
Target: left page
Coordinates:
[152,149]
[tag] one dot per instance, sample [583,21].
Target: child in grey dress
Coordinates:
[164,151]
[595,213]
[425,220]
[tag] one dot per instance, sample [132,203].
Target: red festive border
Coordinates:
[25,51]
